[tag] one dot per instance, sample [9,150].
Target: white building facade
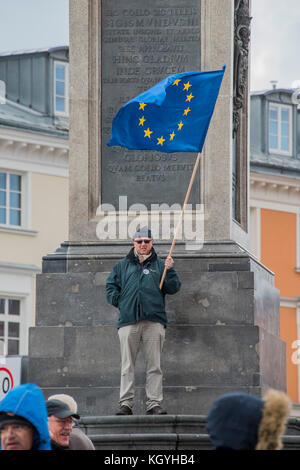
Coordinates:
[33,181]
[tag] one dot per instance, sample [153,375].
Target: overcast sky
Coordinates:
[275,40]
[32,24]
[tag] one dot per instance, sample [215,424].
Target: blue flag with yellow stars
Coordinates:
[172,116]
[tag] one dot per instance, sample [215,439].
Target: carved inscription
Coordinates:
[142,43]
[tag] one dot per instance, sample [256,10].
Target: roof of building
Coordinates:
[14,114]
[34,51]
[273,90]
[279,164]
[22,117]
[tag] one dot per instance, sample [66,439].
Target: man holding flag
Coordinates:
[133,287]
[172,116]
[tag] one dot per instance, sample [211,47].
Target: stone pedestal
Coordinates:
[223,332]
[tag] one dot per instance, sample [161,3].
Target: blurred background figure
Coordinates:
[60,421]
[78,439]
[23,419]
[239,421]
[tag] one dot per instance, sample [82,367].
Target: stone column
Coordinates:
[90,69]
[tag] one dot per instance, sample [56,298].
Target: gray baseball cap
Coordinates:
[60,409]
[143,232]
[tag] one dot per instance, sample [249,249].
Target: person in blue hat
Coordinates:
[240,421]
[24,419]
[133,286]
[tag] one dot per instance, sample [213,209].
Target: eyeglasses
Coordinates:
[142,241]
[64,422]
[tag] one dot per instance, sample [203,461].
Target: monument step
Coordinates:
[158,425]
[166,432]
[150,441]
[143,424]
[170,441]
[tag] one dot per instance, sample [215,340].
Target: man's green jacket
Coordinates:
[134,289]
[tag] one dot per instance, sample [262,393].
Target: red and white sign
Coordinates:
[10,374]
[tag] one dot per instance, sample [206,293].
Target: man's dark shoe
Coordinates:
[156,410]
[124,411]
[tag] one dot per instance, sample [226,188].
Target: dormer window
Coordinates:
[280,129]
[61,88]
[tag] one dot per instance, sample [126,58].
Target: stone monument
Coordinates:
[223,332]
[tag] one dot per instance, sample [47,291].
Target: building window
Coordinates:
[280,129]
[10,319]
[61,88]
[10,199]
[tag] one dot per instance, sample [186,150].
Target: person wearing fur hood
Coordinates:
[239,421]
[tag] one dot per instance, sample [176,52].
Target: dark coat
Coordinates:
[79,440]
[134,289]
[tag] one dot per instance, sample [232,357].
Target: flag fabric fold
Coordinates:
[172,116]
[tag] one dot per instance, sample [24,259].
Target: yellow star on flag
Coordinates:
[142,120]
[187,86]
[172,135]
[189,97]
[142,106]
[176,82]
[160,140]
[180,125]
[186,111]
[148,133]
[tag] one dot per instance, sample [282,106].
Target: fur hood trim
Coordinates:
[276,410]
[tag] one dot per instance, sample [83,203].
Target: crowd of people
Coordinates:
[235,421]
[29,422]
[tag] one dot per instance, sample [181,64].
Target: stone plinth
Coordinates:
[223,332]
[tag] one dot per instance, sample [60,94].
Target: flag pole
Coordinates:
[181,214]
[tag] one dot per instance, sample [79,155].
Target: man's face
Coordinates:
[16,437]
[143,245]
[60,429]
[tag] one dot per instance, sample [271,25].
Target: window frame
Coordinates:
[66,82]
[278,149]
[7,317]
[23,200]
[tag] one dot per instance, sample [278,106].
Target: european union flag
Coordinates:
[172,116]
